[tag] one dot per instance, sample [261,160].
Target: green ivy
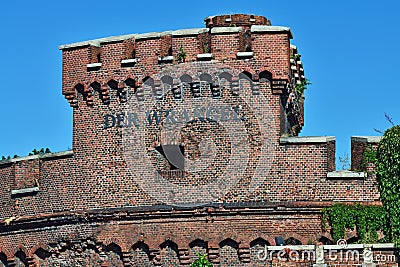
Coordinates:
[181,54]
[40,151]
[367,220]
[369,156]
[388,177]
[300,88]
[202,261]
[34,152]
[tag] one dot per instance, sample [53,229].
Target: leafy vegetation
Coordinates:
[301,87]
[8,157]
[34,152]
[369,156]
[40,152]
[181,54]
[367,220]
[388,177]
[202,261]
[294,56]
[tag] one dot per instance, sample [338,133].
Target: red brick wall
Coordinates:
[91,204]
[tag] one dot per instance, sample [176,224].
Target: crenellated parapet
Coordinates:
[112,69]
[255,49]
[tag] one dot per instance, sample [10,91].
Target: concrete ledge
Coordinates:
[93,65]
[166,59]
[244,54]
[215,30]
[129,61]
[120,38]
[226,30]
[344,175]
[205,56]
[25,191]
[57,154]
[264,28]
[42,156]
[149,35]
[366,139]
[80,44]
[186,32]
[306,139]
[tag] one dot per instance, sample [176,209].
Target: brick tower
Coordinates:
[184,141]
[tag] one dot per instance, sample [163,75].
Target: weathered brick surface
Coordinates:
[99,208]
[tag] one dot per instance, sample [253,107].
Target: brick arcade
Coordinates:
[184,141]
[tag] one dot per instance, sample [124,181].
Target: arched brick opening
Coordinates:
[169,253]
[229,253]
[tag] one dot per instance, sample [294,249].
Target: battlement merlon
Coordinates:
[253,47]
[23,175]
[359,144]
[183,32]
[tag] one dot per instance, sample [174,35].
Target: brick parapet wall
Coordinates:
[236,20]
[271,52]
[358,146]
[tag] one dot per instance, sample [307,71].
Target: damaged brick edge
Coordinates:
[156,212]
[46,156]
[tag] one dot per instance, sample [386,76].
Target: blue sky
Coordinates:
[349,51]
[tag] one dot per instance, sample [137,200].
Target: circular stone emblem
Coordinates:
[198,133]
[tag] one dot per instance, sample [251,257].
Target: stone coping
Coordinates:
[93,65]
[129,61]
[264,28]
[166,59]
[186,32]
[216,30]
[366,139]
[183,32]
[98,42]
[244,54]
[346,175]
[205,56]
[306,139]
[25,191]
[42,156]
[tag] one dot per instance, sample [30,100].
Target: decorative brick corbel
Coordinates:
[278,86]
[244,252]
[126,258]
[213,254]
[184,257]
[235,86]
[71,98]
[105,93]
